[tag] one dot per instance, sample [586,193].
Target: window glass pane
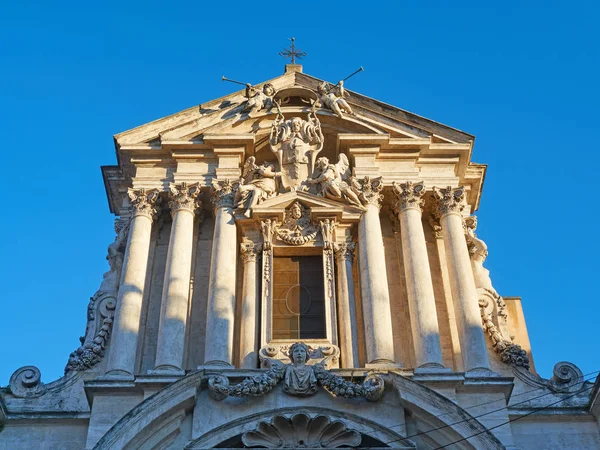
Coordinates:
[298,297]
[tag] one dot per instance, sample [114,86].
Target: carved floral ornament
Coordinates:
[408,195]
[299,379]
[449,200]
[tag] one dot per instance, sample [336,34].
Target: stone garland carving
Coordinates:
[296,143]
[369,190]
[333,181]
[258,99]
[408,195]
[449,200]
[327,226]
[268,229]
[144,202]
[101,308]
[334,98]
[257,184]
[183,196]
[299,379]
[223,192]
[297,228]
[302,431]
[491,302]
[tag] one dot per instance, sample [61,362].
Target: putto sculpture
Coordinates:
[258,99]
[299,379]
[333,97]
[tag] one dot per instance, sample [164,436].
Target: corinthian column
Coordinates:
[124,340]
[176,288]
[221,289]
[344,255]
[423,315]
[373,278]
[450,203]
[249,318]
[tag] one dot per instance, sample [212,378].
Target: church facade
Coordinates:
[297,266]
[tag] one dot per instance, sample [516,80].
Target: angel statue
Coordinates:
[258,99]
[257,184]
[333,180]
[296,143]
[334,98]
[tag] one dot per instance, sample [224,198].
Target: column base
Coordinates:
[432,369]
[118,374]
[383,365]
[216,365]
[167,370]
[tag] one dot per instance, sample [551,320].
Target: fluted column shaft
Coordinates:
[348,326]
[249,326]
[450,203]
[221,291]
[379,338]
[124,339]
[419,284]
[176,288]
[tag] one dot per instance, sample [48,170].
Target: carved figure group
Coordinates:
[333,180]
[299,379]
[334,98]
[296,143]
[258,183]
[258,99]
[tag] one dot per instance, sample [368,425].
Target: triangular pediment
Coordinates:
[319,206]
[224,116]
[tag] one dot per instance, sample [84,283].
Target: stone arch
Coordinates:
[158,418]
[368,429]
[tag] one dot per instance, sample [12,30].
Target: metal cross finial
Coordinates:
[292,52]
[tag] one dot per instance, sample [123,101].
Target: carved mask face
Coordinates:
[295,126]
[296,211]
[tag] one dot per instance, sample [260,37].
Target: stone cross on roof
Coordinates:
[292,52]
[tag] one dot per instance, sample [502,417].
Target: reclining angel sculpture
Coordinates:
[334,180]
[257,184]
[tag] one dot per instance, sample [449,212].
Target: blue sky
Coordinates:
[521,76]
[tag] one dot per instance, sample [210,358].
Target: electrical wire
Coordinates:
[583,377]
[421,433]
[516,418]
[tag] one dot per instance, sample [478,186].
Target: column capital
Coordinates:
[449,200]
[408,195]
[344,251]
[369,190]
[249,250]
[223,193]
[184,197]
[144,202]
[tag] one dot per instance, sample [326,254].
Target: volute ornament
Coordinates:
[183,196]
[449,200]
[299,379]
[369,190]
[408,195]
[223,192]
[144,202]
[26,382]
